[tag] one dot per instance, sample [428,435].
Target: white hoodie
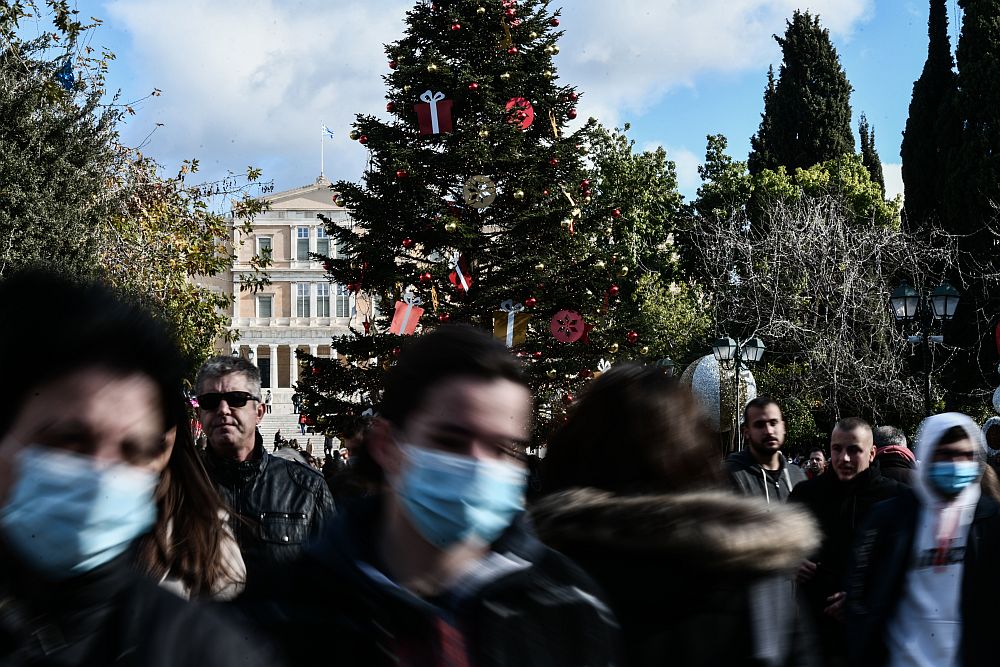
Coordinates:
[926,629]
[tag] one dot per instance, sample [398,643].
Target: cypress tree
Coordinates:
[928,124]
[869,156]
[807,112]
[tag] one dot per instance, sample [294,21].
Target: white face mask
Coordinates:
[67,514]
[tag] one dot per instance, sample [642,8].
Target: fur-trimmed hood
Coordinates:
[709,531]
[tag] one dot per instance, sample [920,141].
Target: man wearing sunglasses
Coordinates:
[279,506]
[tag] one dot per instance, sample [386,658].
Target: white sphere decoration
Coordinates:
[713,390]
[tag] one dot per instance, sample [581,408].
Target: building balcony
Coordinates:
[289,322]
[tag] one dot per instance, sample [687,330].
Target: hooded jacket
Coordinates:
[694,578]
[523,604]
[749,479]
[909,586]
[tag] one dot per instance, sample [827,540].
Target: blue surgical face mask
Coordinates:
[67,513]
[950,477]
[451,498]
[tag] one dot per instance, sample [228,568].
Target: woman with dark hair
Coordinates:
[190,550]
[694,574]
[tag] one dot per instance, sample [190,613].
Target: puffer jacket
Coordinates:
[749,479]
[112,616]
[522,604]
[278,507]
[695,579]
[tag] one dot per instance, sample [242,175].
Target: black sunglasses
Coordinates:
[235,399]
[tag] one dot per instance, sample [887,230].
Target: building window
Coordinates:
[302,300]
[264,302]
[264,247]
[343,301]
[322,242]
[302,244]
[322,300]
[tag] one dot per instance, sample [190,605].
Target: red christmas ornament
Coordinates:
[545,192]
[473,86]
[426,277]
[510,12]
[396,351]
[354,286]
[584,184]
[616,213]
[632,337]
[568,398]
[401,174]
[573,97]
[407,243]
[393,64]
[363,139]
[571,114]
[327,266]
[530,302]
[585,374]
[567,326]
[456,27]
[515,23]
[553,161]
[613,290]
[444,318]
[512,51]
[537,355]
[390,106]
[315,371]
[554,22]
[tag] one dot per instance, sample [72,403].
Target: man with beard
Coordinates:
[761,469]
[841,500]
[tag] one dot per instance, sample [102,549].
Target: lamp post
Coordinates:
[732,355]
[911,307]
[667,365]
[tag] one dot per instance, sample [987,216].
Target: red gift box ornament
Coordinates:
[567,326]
[520,112]
[408,311]
[434,113]
[459,277]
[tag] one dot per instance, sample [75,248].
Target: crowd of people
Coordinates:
[125,544]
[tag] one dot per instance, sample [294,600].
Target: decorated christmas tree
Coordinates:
[479,206]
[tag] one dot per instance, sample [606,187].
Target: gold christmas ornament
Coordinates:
[599,264]
[622,272]
[450,226]
[539,267]
[483,133]
[549,49]
[532,35]
[587,200]
[505,76]
[551,373]
[480,10]
[431,67]
[613,348]
[339,201]
[519,194]
[555,49]
[355,135]
[548,74]
[644,350]
[407,88]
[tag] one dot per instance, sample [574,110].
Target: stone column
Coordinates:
[274,366]
[314,349]
[293,368]
[294,299]
[312,300]
[236,300]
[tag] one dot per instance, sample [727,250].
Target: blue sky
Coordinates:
[248,82]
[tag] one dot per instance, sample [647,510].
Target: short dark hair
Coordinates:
[852,423]
[448,352]
[222,365]
[817,448]
[105,327]
[661,440]
[954,434]
[759,403]
[889,435]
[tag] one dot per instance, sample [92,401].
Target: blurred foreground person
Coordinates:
[443,568]
[280,505]
[79,436]
[841,500]
[191,549]
[925,574]
[894,458]
[761,469]
[696,575]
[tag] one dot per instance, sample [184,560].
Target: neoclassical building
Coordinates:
[300,308]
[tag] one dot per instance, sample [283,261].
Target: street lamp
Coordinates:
[667,365]
[908,305]
[732,355]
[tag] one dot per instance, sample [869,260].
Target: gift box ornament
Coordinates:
[433,113]
[510,323]
[408,312]
[460,276]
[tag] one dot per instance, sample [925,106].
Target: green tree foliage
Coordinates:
[561,234]
[869,155]
[930,127]
[807,112]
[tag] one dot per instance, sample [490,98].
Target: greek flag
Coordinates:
[65,76]
[327,131]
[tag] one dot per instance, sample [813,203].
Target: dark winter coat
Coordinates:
[749,479]
[112,616]
[699,579]
[278,506]
[881,561]
[897,467]
[522,605]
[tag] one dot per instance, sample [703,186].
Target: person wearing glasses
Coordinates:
[442,567]
[278,506]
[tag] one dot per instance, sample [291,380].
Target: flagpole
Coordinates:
[321,142]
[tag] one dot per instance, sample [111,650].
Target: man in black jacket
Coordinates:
[443,568]
[761,469]
[77,435]
[279,505]
[841,500]
[924,575]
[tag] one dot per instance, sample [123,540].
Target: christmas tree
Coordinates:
[477,207]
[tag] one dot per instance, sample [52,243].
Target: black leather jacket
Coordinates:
[278,506]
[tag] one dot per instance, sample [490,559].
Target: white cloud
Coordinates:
[687,163]
[893,174]
[249,81]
